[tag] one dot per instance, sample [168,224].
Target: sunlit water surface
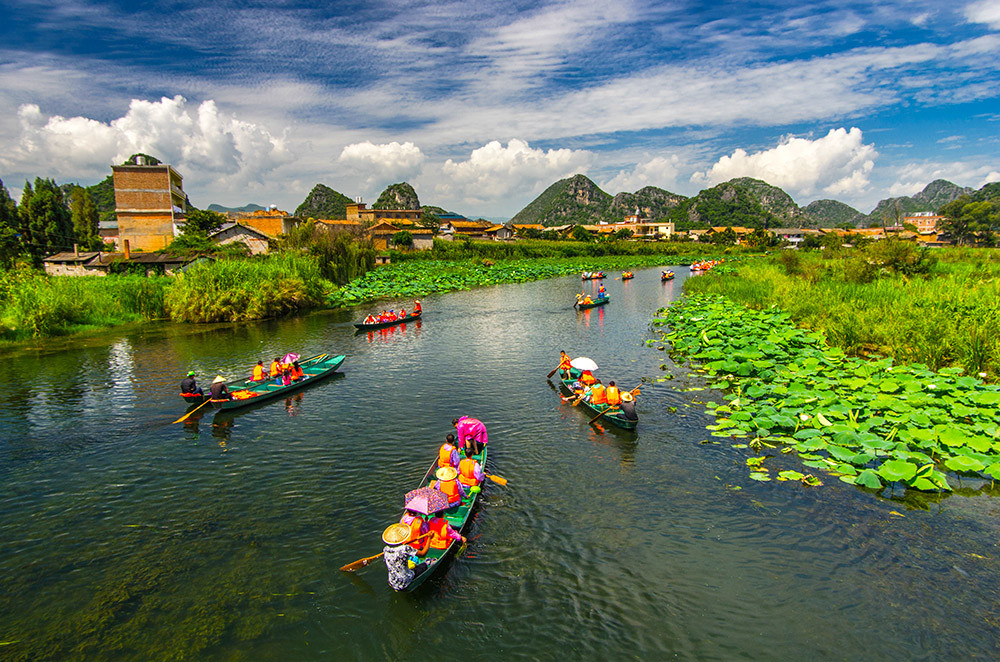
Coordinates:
[123,536]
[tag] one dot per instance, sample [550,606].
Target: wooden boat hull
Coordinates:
[598,277]
[666,278]
[599,302]
[618,419]
[381,325]
[458,517]
[627,277]
[316,370]
[193,400]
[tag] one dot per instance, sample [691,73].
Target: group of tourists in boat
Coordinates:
[393,316]
[666,275]
[627,275]
[584,299]
[283,370]
[609,401]
[705,265]
[592,275]
[435,513]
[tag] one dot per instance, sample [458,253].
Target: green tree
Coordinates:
[531,233]
[84,214]
[10,241]
[45,219]
[957,222]
[761,238]
[624,233]
[201,221]
[430,221]
[550,235]
[403,238]
[580,233]
[725,238]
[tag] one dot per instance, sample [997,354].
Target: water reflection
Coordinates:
[391,333]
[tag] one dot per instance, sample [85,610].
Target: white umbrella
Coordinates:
[583,363]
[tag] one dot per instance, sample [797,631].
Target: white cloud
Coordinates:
[837,163]
[384,163]
[209,147]
[992,176]
[984,11]
[913,177]
[494,172]
[659,171]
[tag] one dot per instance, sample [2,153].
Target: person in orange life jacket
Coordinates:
[219,390]
[442,533]
[416,307]
[370,319]
[392,315]
[418,527]
[448,453]
[276,368]
[189,386]
[598,395]
[613,395]
[402,313]
[587,299]
[447,482]
[297,372]
[601,292]
[470,472]
[258,372]
[587,378]
[564,365]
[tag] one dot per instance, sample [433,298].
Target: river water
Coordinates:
[123,536]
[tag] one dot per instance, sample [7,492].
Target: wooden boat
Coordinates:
[192,399]
[381,325]
[251,393]
[596,275]
[457,516]
[665,277]
[615,418]
[597,302]
[628,276]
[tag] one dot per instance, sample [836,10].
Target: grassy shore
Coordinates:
[944,312]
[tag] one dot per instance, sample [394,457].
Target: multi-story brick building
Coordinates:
[925,221]
[149,203]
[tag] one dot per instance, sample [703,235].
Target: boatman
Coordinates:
[189,386]
[471,434]
[219,390]
[564,364]
[628,406]
[601,292]
[403,567]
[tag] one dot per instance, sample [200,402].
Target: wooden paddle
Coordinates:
[499,480]
[360,563]
[549,376]
[185,416]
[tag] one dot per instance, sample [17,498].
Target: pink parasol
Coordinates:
[290,358]
[426,500]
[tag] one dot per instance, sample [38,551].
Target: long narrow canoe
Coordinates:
[381,325]
[594,276]
[597,302]
[615,417]
[251,393]
[666,277]
[457,516]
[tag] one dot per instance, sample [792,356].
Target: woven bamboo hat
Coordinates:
[218,379]
[446,473]
[627,397]
[396,534]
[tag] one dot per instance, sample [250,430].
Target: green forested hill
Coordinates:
[653,203]
[575,199]
[398,196]
[323,202]
[934,196]
[831,213]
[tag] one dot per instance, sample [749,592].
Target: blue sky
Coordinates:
[481,105]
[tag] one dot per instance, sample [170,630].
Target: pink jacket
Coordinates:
[471,428]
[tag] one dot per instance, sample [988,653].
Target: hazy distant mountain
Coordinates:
[653,203]
[398,196]
[323,202]
[935,195]
[575,199]
[831,213]
[235,210]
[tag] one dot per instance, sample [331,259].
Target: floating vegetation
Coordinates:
[422,277]
[867,422]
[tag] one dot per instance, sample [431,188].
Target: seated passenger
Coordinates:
[258,372]
[448,453]
[442,533]
[447,482]
[613,395]
[418,527]
[588,378]
[297,372]
[470,472]
[598,395]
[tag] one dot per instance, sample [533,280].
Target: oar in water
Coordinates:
[554,370]
[499,480]
[360,563]
[185,416]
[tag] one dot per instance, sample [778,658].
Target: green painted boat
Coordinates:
[615,418]
[361,326]
[316,369]
[597,302]
[458,518]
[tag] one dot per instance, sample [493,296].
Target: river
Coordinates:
[123,536]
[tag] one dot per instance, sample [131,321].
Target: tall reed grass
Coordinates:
[243,290]
[949,317]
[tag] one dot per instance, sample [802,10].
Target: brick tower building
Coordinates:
[149,203]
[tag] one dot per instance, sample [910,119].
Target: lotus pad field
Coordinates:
[871,423]
[422,277]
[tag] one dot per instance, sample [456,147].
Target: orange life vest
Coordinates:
[444,455]
[613,395]
[467,472]
[297,373]
[450,488]
[439,533]
[258,373]
[564,363]
[415,527]
[587,378]
[598,395]
[275,368]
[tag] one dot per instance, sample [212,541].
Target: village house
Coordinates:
[271,221]
[382,235]
[794,236]
[149,204]
[232,233]
[99,263]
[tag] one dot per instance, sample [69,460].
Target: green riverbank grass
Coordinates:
[523,249]
[872,423]
[33,305]
[949,317]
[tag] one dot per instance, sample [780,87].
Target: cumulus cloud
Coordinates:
[383,163]
[207,146]
[658,171]
[992,176]
[837,163]
[984,11]
[495,171]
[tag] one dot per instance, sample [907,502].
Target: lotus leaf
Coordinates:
[790,475]
[952,436]
[896,470]
[961,463]
[761,477]
[868,478]
[986,398]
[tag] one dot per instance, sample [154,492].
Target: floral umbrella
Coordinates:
[290,358]
[426,500]
[583,363]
